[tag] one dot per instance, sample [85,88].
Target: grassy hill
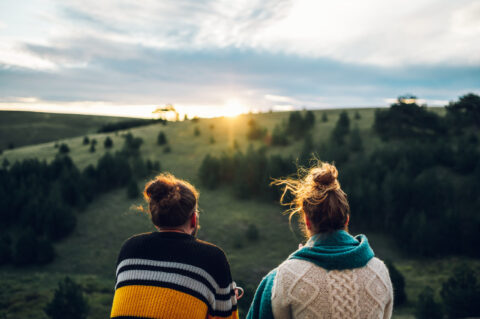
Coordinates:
[89,254]
[19,128]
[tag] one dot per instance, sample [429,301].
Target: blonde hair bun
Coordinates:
[325,176]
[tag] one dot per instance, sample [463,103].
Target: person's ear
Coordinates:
[348,220]
[307,223]
[193,220]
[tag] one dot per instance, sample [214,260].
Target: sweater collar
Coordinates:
[336,250]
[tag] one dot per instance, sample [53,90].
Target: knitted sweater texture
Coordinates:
[172,275]
[333,276]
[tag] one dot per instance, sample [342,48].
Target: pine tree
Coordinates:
[161,138]
[132,189]
[398,282]
[108,143]
[68,302]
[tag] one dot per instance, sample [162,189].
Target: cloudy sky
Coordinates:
[216,57]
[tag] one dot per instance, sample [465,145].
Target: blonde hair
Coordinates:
[318,196]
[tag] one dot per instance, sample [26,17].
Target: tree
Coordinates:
[132,189]
[398,282]
[196,131]
[86,140]
[465,112]
[324,117]
[64,149]
[108,143]
[356,143]
[209,171]
[342,128]
[161,138]
[426,307]
[5,163]
[309,120]
[92,148]
[357,115]
[279,136]
[68,302]
[461,293]
[25,249]
[5,249]
[255,132]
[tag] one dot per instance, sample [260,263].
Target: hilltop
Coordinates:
[89,254]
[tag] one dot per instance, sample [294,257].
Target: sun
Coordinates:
[234,107]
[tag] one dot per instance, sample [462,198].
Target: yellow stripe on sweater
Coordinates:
[234,315]
[156,302]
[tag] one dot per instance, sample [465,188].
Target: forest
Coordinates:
[417,182]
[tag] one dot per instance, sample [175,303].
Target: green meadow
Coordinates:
[89,254]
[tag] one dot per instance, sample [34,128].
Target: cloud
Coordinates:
[268,54]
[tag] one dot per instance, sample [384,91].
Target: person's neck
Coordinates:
[173,230]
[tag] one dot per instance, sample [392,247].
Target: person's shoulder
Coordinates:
[135,240]
[379,268]
[212,250]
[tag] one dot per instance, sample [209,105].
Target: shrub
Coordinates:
[68,302]
[196,131]
[92,148]
[167,149]
[86,140]
[426,307]
[212,140]
[398,282]
[461,293]
[357,115]
[161,138]
[108,143]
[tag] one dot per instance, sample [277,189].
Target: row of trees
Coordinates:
[420,185]
[127,124]
[248,173]
[39,200]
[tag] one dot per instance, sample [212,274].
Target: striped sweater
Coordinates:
[172,275]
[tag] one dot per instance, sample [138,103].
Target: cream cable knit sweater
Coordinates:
[303,290]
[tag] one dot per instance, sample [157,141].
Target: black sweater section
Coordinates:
[180,248]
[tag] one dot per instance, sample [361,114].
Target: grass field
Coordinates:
[89,254]
[28,128]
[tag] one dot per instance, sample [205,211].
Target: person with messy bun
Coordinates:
[334,275]
[169,273]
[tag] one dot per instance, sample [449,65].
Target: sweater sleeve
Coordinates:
[261,307]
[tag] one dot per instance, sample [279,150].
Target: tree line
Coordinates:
[39,200]
[415,179]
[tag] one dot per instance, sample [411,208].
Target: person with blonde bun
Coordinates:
[335,275]
[169,274]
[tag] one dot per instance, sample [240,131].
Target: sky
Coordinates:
[224,57]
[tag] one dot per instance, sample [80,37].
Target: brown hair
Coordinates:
[318,196]
[171,201]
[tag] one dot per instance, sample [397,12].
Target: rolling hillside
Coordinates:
[19,128]
[89,254]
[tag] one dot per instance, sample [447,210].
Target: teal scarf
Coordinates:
[336,250]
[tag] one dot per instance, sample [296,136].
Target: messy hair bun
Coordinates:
[171,200]
[318,195]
